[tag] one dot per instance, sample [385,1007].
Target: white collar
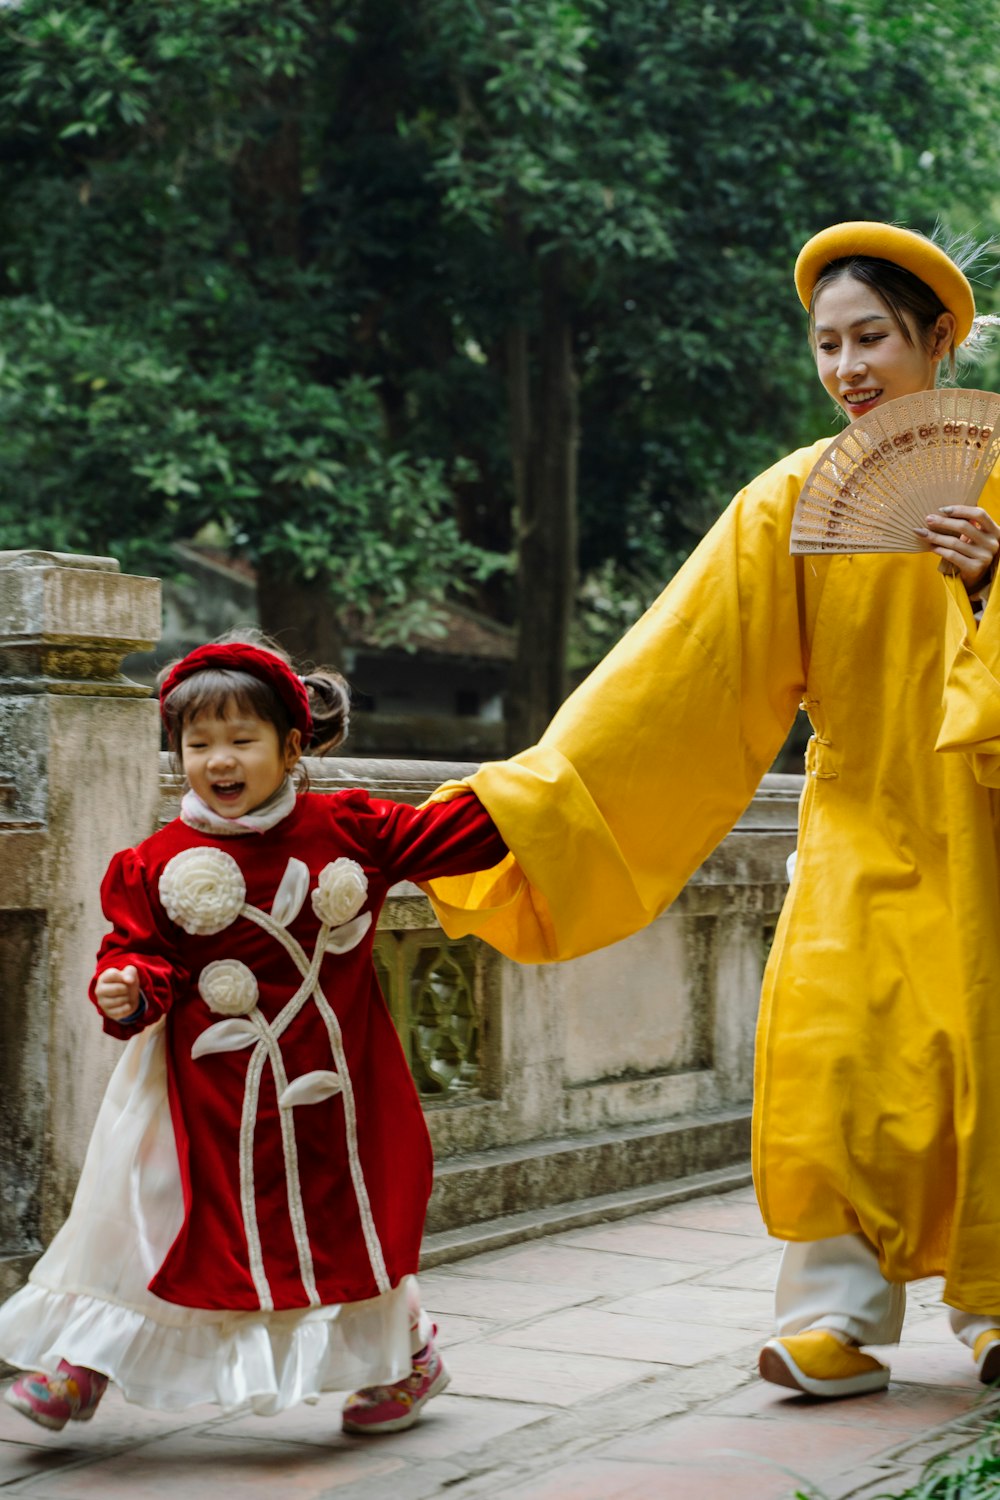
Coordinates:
[197,814]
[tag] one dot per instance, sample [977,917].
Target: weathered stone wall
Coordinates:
[78,780]
[541,1085]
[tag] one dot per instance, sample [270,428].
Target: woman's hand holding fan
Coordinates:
[967,540]
[906,478]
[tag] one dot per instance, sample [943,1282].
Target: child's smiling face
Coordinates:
[236,762]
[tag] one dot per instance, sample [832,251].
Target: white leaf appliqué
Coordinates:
[310,1089]
[343,939]
[226,1036]
[291,893]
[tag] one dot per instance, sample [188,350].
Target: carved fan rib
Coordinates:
[874,484]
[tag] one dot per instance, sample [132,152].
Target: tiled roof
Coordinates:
[465,632]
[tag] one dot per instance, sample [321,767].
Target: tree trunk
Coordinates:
[267,181]
[544,442]
[300,615]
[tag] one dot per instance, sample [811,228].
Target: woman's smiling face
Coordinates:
[863,357]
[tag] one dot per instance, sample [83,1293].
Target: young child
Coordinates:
[249,1216]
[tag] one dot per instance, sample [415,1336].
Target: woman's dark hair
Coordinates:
[212,690]
[901,291]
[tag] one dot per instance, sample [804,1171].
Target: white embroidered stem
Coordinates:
[251,1101]
[267,1049]
[295,951]
[310,973]
[296,1209]
[247,1198]
[372,1242]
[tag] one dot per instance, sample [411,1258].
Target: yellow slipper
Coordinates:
[987,1355]
[817,1363]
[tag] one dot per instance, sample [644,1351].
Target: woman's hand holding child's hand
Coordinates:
[117,992]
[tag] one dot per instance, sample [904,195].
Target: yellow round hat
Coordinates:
[914,252]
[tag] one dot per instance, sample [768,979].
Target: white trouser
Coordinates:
[837,1284]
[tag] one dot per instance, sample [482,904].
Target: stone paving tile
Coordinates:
[494,1297]
[575,1267]
[592,1331]
[424,1481]
[930,1326]
[604,1479]
[29,1460]
[920,1362]
[812,1450]
[190,1466]
[315,1423]
[690,1303]
[450,1425]
[586,1271]
[455,1328]
[539,1376]
[115,1421]
[661,1241]
[902,1410]
[759,1273]
[925,1293]
[724,1215]
[946,1443]
[871,1482]
[929,1353]
[28,1452]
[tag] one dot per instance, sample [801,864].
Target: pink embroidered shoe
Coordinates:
[71,1395]
[391,1408]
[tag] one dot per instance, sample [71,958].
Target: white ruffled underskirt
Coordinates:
[262,1362]
[88,1302]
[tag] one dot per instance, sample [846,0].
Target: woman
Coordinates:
[875,1157]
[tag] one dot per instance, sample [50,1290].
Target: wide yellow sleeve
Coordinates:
[971,719]
[651,761]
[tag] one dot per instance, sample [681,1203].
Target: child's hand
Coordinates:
[117,992]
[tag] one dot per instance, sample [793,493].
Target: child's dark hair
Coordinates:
[211,690]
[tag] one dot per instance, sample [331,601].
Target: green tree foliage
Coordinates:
[175,341]
[364,281]
[663,163]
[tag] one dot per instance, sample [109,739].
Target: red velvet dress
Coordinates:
[319,1200]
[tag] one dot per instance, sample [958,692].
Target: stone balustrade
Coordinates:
[542,1086]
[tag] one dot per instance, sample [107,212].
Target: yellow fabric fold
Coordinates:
[649,763]
[878,1044]
[971,720]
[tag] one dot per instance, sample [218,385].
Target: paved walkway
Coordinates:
[610,1363]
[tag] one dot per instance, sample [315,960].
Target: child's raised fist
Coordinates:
[117,992]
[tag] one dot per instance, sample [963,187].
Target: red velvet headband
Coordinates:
[236,656]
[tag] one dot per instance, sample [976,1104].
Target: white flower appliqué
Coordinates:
[202,890]
[341,893]
[228,987]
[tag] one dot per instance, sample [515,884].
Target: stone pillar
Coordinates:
[78,781]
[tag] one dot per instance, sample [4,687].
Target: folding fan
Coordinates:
[874,484]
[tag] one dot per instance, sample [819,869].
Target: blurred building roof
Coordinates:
[463,631]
